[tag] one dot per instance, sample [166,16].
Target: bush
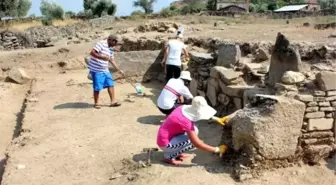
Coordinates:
[170,11]
[47,21]
[50,11]
[196,8]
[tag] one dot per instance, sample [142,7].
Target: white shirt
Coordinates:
[175,51]
[167,99]
[96,64]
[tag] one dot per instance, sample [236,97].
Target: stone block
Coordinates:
[312,104]
[228,76]
[314,115]
[331,98]
[319,99]
[201,93]
[330,114]
[326,80]
[18,75]
[312,109]
[320,134]
[201,57]
[327,109]
[304,97]
[320,124]
[324,104]
[315,153]
[268,129]
[235,90]
[238,103]
[212,91]
[333,103]
[228,54]
[216,71]
[292,77]
[331,93]
[319,93]
[193,87]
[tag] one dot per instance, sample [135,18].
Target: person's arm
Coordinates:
[186,54]
[186,93]
[198,143]
[165,55]
[113,63]
[95,53]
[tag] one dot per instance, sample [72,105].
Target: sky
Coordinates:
[124,7]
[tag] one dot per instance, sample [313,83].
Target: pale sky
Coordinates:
[124,7]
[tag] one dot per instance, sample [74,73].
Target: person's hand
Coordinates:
[105,57]
[224,120]
[187,59]
[221,150]
[121,72]
[163,63]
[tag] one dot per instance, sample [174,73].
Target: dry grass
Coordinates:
[23,26]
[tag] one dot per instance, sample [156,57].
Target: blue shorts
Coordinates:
[101,80]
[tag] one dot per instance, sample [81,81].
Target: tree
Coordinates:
[212,5]
[50,11]
[328,5]
[98,8]
[146,5]
[14,8]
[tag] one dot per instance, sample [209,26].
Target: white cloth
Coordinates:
[175,51]
[167,99]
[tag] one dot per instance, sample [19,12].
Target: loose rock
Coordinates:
[18,75]
[291,77]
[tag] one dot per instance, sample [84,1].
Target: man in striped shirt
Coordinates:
[101,55]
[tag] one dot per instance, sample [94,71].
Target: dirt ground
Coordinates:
[66,141]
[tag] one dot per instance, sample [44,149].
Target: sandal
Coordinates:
[173,162]
[116,104]
[97,106]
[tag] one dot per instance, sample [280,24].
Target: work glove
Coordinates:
[186,60]
[222,121]
[221,150]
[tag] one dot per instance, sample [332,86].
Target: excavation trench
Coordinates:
[17,130]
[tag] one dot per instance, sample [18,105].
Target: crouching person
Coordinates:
[178,133]
[175,93]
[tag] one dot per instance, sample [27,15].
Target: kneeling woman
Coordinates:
[178,133]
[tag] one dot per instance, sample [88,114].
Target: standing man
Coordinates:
[101,55]
[172,56]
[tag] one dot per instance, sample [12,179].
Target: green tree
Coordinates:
[328,5]
[98,8]
[50,11]
[146,5]
[14,8]
[211,5]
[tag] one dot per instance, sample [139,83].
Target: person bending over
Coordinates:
[179,134]
[175,93]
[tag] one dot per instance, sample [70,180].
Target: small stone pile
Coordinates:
[166,27]
[10,40]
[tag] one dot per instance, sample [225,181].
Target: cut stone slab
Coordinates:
[228,76]
[216,71]
[304,97]
[331,98]
[331,93]
[312,104]
[291,77]
[235,90]
[327,109]
[314,115]
[201,57]
[271,130]
[228,54]
[18,75]
[312,109]
[319,93]
[326,80]
[324,104]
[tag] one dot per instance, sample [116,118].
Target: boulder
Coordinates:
[261,55]
[326,80]
[212,91]
[270,127]
[284,58]
[228,54]
[292,77]
[18,75]
[215,72]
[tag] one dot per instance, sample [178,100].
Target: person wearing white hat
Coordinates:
[172,56]
[178,133]
[175,93]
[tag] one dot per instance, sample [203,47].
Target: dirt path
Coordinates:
[70,143]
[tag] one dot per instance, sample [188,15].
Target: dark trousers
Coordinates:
[172,71]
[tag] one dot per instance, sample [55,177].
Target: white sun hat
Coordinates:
[198,110]
[185,75]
